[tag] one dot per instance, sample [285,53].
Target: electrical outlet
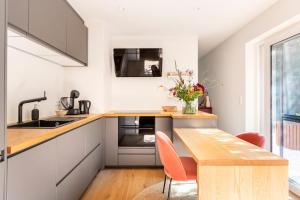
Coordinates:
[241,100]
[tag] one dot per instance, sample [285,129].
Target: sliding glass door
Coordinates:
[286,104]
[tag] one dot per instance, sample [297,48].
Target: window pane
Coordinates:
[286,104]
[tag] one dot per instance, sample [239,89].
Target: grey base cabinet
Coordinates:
[136,156]
[111,141]
[163,124]
[61,168]
[31,174]
[73,146]
[137,160]
[73,186]
[189,123]
[71,150]
[116,156]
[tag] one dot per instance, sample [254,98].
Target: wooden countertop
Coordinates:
[20,139]
[178,115]
[214,147]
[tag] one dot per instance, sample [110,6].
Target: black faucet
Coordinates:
[20,108]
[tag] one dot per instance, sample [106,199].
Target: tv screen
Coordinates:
[138,62]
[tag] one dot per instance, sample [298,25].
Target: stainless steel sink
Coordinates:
[49,123]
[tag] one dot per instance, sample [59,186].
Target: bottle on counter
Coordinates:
[208,105]
[35,113]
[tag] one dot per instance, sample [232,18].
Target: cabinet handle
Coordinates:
[2,155]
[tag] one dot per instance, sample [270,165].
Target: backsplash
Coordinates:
[27,77]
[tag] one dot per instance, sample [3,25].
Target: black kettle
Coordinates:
[84,106]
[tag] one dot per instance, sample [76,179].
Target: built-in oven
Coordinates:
[136,131]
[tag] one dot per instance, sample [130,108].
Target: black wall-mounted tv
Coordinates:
[136,62]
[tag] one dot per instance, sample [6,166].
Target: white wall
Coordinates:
[93,82]
[145,93]
[226,64]
[27,78]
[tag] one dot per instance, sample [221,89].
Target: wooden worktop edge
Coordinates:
[174,115]
[49,134]
[234,162]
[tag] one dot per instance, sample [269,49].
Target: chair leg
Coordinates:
[170,184]
[164,184]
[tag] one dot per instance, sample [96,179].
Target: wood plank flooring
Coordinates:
[124,184]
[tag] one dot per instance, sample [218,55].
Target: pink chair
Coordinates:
[175,167]
[253,138]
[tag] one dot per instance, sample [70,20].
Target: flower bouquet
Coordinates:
[187,91]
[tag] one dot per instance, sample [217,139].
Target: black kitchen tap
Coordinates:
[20,108]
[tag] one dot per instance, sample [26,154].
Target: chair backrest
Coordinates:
[253,138]
[169,158]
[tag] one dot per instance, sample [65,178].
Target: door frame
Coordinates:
[3,88]
[283,35]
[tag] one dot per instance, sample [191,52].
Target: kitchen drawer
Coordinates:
[70,151]
[73,186]
[136,160]
[92,135]
[131,150]
[92,163]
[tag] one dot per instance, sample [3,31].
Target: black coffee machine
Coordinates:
[84,106]
[69,103]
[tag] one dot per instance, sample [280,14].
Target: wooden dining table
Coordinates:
[229,168]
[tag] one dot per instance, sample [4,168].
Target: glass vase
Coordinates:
[189,107]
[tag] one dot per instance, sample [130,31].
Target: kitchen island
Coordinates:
[229,168]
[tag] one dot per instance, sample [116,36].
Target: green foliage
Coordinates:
[186,90]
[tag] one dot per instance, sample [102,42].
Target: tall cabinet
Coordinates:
[2,95]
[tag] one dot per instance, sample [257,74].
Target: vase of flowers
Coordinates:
[187,91]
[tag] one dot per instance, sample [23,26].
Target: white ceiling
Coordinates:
[211,20]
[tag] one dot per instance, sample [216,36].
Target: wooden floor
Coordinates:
[124,184]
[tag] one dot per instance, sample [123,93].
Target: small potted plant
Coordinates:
[187,91]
